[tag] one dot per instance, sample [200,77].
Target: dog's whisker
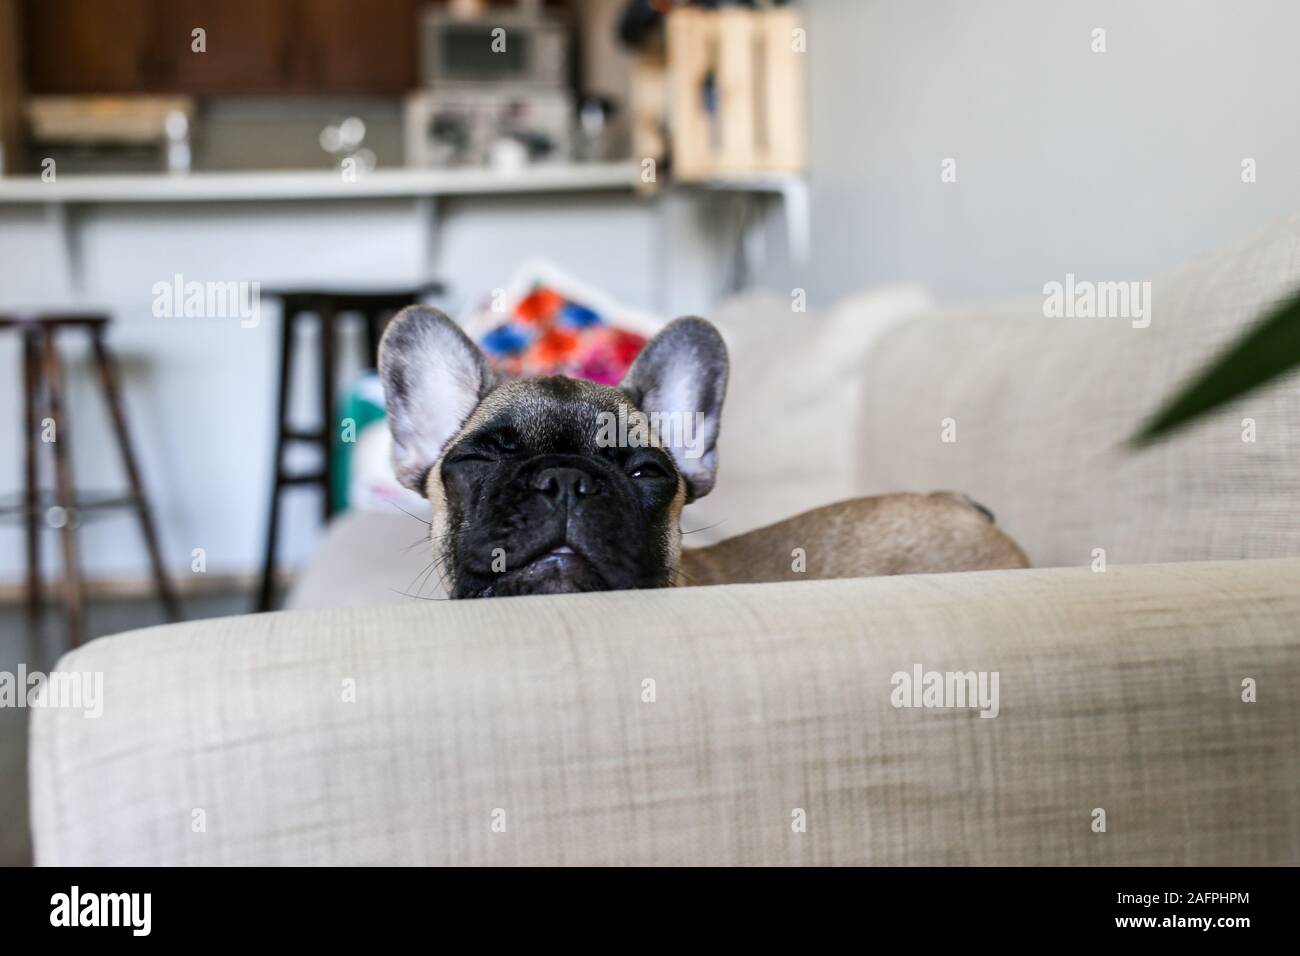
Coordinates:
[418,597]
[419,575]
[440,581]
[424,580]
[444,575]
[427,524]
[707,527]
[411,547]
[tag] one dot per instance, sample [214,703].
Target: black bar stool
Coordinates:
[327,307]
[43,396]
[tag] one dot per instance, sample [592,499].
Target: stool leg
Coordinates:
[31,444]
[112,395]
[329,426]
[375,322]
[64,492]
[266,592]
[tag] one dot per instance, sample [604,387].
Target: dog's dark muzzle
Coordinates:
[563,522]
[566,486]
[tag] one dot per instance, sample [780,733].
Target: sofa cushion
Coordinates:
[1041,408]
[369,558]
[793,398]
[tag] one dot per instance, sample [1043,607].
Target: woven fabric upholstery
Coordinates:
[1041,407]
[1119,691]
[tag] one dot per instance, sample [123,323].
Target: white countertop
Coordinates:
[311,184]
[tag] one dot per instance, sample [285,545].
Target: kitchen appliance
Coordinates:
[464,125]
[495,90]
[113,133]
[521,46]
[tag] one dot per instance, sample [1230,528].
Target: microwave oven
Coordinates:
[515,47]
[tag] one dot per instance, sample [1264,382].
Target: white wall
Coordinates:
[1109,165]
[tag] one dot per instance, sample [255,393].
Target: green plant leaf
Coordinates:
[1264,352]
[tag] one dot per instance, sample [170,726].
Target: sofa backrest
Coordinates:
[794,403]
[860,399]
[1041,408]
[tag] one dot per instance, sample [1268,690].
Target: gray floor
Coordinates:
[39,649]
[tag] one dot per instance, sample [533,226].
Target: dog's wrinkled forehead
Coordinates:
[553,414]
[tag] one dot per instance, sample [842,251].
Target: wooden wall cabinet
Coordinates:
[353,48]
[253,47]
[71,45]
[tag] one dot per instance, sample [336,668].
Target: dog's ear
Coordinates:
[433,377]
[681,374]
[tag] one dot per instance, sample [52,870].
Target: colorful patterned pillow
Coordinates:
[546,323]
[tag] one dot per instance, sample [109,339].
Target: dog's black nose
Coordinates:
[566,484]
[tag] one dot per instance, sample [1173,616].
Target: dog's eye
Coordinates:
[466,457]
[504,442]
[486,449]
[648,469]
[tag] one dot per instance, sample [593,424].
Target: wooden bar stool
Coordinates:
[44,397]
[327,307]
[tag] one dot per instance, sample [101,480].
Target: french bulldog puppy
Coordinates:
[553,485]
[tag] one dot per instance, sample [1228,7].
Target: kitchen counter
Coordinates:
[68,204]
[323,184]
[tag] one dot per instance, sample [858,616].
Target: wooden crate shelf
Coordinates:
[736,92]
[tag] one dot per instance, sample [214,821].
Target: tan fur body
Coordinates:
[861,537]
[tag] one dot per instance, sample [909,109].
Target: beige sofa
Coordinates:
[1147,672]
